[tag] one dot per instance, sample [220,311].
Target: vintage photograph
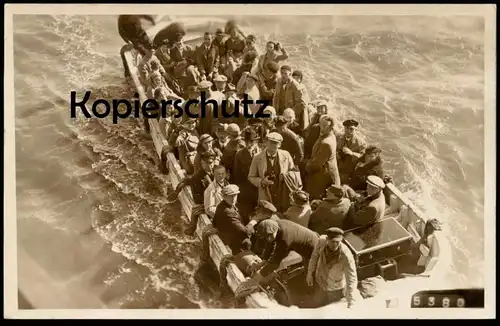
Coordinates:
[315,163]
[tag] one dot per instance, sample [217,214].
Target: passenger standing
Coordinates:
[331,212]
[291,142]
[268,81]
[235,47]
[274,53]
[213,193]
[300,210]
[221,137]
[332,270]
[144,66]
[205,145]
[242,161]
[248,86]
[299,77]
[321,169]
[249,61]
[351,146]
[233,146]
[311,134]
[207,59]
[289,94]
[220,82]
[219,43]
[368,164]
[186,143]
[289,114]
[206,120]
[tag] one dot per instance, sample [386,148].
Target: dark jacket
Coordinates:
[357,181]
[267,88]
[291,237]
[232,147]
[198,182]
[245,67]
[249,192]
[330,213]
[206,60]
[228,223]
[291,143]
[310,139]
[369,211]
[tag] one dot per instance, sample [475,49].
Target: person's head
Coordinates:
[250,57]
[270,46]
[230,194]
[298,76]
[208,161]
[334,237]
[271,111]
[322,107]
[374,185]
[251,81]
[286,72]
[281,122]
[289,114]
[350,127]
[207,38]
[193,92]
[251,40]
[273,142]
[220,82]
[155,66]
[233,32]
[372,153]
[268,229]
[334,192]
[326,124]
[219,34]
[160,93]
[272,68]
[221,131]
[219,173]
[206,142]
[266,209]
[189,124]
[230,90]
[431,226]
[300,197]
[251,138]
[204,87]
[233,131]
[156,79]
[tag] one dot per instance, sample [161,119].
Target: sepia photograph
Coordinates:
[249,161]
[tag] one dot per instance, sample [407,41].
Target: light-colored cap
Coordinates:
[271,110]
[275,137]
[375,181]
[233,129]
[206,138]
[289,113]
[267,227]
[204,85]
[230,190]
[321,103]
[220,78]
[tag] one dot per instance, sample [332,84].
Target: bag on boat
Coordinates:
[371,286]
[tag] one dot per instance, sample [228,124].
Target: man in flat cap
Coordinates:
[206,120]
[268,167]
[247,85]
[300,210]
[321,169]
[242,161]
[332,270]
[368,164]
[249,61]
[186,143]
[299,77]
[235,143]
[268,80]
[286,236]
[207,59]
[274,53]
[221,136]
[220,83]
[369,209]
[291,142]
[227,220]
[213,194]
[351,146]
[332,210]
[290,94]
[219,43]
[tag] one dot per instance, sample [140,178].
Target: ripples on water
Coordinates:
[90,201]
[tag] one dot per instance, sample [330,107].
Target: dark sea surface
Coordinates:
[91,207]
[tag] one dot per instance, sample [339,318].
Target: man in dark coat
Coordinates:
[241,166]
[368,164]
[227,221]
[321,169]
[331,212]
[131,30]
[291,142]
[351,146]
[206,56]
[235,143]
[268,81]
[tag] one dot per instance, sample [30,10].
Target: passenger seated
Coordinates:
[274,53]
[220,82]
[368,164]
[205,145]
[248,63]
[300,210]
[235,47]
[155,80]
[219,43]
[331,211]
[173,133]
[144,67]
[269,124]
[186,143]
[183,65]
[213,193]
[207,58]
[366,210]
[248,85]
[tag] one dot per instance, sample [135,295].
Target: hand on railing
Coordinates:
[387,179]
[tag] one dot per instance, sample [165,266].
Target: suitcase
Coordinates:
[376,249]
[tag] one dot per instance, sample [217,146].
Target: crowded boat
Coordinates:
[295,191]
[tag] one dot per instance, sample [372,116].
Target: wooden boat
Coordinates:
[411,219]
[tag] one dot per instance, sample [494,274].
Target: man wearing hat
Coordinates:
[274,53]
[213,194]
[351,146]
[289,94]
[332,270]
[186,144]
[368,164]
[311,134]
[268,167]
[220,82]
[321,169]
[247,85]
[235,143]
[332,210]
[242,161]
[249,60]
[291,142]
[206,120]
[221,137]
[299,77]
[205,145]
[369,209]
[219,43]
[268,81]
[285,236]
[207,59]
[300,210]
[227,220]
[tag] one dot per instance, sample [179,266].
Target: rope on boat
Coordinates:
[224,263]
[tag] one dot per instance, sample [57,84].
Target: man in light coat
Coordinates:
[268,167]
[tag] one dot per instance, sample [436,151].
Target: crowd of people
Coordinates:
[290,182]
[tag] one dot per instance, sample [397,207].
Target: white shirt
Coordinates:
[212,197]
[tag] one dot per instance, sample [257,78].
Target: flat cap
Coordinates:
[335,190]
[220,78]
[273,66]
[230,190]
[334,233]
[233,129]
[289,113]
[372,149]
[219,31]
[265,205]
[375,181]
[281,121]
[297,73]
[322,103]
[230,88]
[193,88]
[271,110]
[286,67]
[221,127]
[301,196]
[275,137]
[250,134]
[205,84]
[267,227]
[208,155]
[251,37]
[254,121]
[350,122]
[206,138]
